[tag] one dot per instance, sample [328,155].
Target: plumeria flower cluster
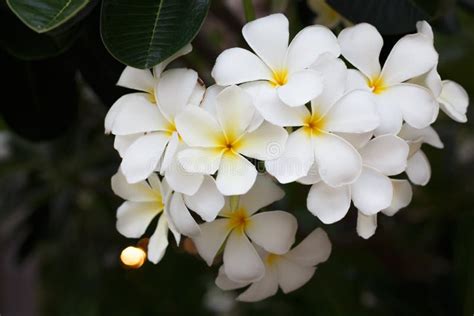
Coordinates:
[350,132]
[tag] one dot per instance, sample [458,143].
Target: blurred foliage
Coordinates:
[56,198]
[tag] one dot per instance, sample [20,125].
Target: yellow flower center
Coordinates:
[229,144]
[314,124]
[239,219]
[280,78]
[376,85]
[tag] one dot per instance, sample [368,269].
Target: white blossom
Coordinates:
[218,143]
[288,271]
[274,231]
[397,100]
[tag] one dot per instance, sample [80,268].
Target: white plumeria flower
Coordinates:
[288,271]
[147,132]
[338,161]
[142,80]
[418,167]
[218,144]
[402,195]
[452,97]
[373,191]
[274,231]
[281,72]
[397,100]
[144,201]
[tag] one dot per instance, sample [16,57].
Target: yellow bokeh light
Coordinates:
[133,257]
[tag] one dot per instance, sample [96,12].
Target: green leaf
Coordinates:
[45,15]
[388,16]
[142,33]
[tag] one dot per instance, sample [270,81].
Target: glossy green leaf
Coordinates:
[142,33]
[45,15]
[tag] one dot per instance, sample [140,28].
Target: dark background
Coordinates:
[58,244]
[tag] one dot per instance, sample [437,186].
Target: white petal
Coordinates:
[171,226]
[411,56]
[262,230]
[207,201]
[361,45]
[235,111]
[137,79]
[424,28]
[113,111]
[211,238]
[334,73]
[136,115]
[327,203]
[372,192]
[454,101]
[273,110]
[268,37]
[237,65]
[142,157]
[310,43]
[426,135]
[388,154]
[181,217]
[198,128]
[295,161]
[226,284]
[236,174]
[418,106]
[174,90]
[209,101]
[134,217]
[158,241]
[366,225]
[312,177]
[170,153]
[122,142]
[391,118]
[292,276]
[314,249]
[433,82]
[158,69]
[181,180]
[357,140]
[339,163]
[262,289]
[355,112]
[356,80]
[137,192]
[265,143]
[200,160]
[402,195]
[241,261]
[419,168]
[158,186]
[264,192]
[302,87]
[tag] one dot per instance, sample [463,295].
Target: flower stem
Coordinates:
[248,10]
